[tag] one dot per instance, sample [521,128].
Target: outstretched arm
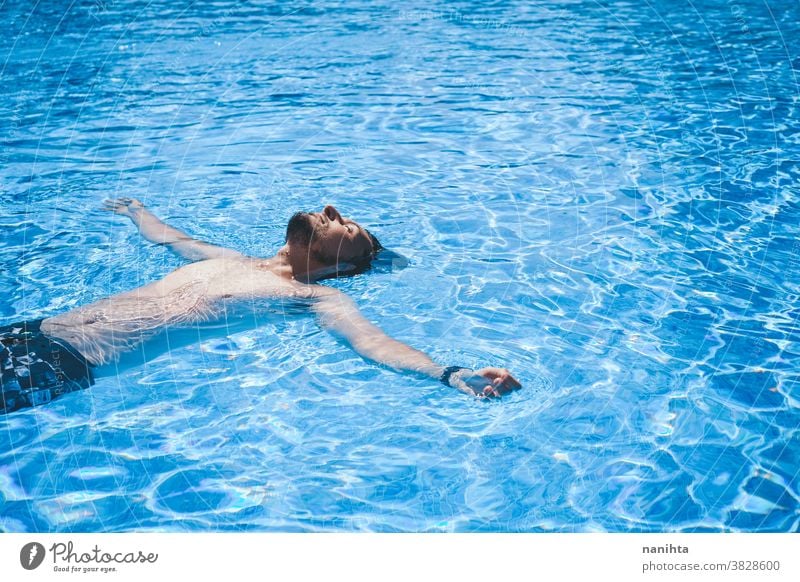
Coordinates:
[338,313]
[160,233]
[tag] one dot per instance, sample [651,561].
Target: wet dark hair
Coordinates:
[376,244]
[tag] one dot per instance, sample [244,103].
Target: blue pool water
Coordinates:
[600,195]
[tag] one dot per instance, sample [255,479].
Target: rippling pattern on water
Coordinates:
[600,195]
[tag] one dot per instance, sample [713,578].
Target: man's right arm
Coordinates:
[158,232]
[339,314]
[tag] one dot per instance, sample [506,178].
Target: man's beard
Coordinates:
[299,230]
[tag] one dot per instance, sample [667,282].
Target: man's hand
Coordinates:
[123,206]
[485,383]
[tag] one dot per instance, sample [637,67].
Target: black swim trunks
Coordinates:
[35,368]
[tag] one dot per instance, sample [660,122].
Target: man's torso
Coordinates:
[195,293]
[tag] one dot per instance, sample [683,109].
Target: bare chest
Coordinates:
[220,279]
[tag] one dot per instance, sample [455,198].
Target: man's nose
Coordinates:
[331,213]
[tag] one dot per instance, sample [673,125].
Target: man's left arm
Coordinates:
[338,313]
[157,231]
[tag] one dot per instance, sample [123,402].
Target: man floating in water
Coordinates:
[42,359]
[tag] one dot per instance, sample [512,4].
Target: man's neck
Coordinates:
[294,264]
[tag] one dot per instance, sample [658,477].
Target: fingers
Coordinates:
[121,205]
[511,381]
[122,202]
[491,391]
[494,390]
[502,380]
[116,203]
[112,206]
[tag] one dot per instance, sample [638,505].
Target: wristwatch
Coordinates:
[445,377]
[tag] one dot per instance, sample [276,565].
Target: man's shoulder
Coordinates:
[316,291]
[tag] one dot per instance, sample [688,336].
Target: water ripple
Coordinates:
[599,196]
